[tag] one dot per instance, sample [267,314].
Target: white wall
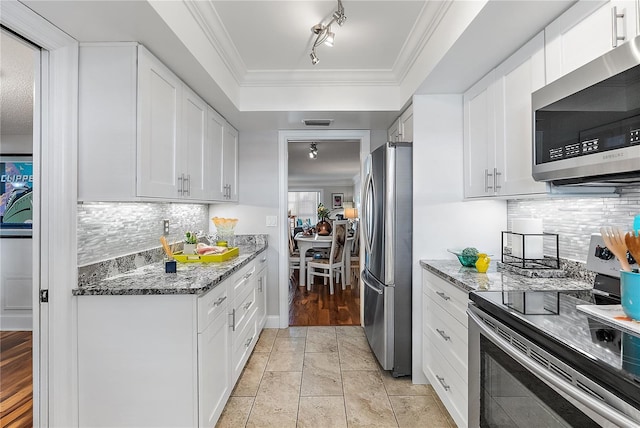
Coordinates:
[258,187]
[16,283]
[16,144]
[441,219]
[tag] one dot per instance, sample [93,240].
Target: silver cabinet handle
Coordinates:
[262,260]
[247,306]
[495,179]
[219,301]
[260,284]
[443,334]
[247,276]
[614,27]
[233,320]
[442,382]
[248,342]
[188,181]
[181,184]
[486,180]
[444,296]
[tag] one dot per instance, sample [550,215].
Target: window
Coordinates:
[303,206]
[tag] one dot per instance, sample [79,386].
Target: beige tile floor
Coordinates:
[323,377]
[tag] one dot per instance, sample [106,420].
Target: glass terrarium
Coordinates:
[225,231]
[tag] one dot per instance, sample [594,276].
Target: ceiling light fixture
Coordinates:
[313,151]
[323,32]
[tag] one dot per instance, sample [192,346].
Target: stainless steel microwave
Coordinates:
[586,125]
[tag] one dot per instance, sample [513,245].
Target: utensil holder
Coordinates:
[525,262]
[630,294]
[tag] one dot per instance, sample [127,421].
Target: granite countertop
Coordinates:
[190,278]
[469,279]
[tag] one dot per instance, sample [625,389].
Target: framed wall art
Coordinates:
[16,191]
[336,200]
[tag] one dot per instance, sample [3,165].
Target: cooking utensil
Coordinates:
[614,240]
[165,245]
[633,244]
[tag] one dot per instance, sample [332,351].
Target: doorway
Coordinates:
[19,65]
[316,306]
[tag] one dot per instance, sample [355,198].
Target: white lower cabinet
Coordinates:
[166,360]
[444,339]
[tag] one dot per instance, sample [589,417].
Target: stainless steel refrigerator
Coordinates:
[387,230]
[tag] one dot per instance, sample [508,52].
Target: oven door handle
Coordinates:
[592,403]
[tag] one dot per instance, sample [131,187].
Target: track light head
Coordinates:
[323,32]
[314,57]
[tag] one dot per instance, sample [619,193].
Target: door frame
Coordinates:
[364,136]
[55,211]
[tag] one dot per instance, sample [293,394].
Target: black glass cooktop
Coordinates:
[607,354]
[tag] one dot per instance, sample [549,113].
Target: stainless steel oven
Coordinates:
[515,382]
[541,358]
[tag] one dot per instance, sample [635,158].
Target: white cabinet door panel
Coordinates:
[159,110]
[195,146]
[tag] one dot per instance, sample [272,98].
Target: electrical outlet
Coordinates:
[165,227]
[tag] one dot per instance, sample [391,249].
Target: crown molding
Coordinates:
[207,18]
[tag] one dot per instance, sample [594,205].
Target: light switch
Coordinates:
[272,221]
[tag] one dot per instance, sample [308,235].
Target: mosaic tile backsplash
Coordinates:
[574,219]
[110,230]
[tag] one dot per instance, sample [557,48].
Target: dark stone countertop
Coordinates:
[190,278]
[469,279]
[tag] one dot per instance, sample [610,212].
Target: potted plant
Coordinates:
[190,241]
[324,226]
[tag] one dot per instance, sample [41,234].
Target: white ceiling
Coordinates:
[16,91]
[250,60]
[337,164]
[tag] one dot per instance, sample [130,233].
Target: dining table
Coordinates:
[307,242]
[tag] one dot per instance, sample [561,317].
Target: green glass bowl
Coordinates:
[467,261]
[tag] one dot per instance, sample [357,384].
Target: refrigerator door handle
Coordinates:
[368,214]
[374,288]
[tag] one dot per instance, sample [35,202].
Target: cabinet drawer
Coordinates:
[243,307]
[242,280]
[449,335]
[211,305]
[447,295]
[450,387]
[242,344]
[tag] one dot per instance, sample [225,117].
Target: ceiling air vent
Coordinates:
[317,122]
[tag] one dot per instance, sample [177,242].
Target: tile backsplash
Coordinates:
[574,219]
[113,229]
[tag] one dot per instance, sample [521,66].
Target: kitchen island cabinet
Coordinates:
[167,353]
[146,136]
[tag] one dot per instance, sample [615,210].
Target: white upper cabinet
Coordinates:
[196,159]
[144,134]
[516,79]
[498,126]
[159,122]
[230,164]
[479,137]
[402,127]
[586,31]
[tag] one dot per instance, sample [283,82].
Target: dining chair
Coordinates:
[334,265]
[294,257]
[354,269]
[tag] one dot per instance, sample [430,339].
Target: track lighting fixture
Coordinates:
[313,151]
[324,34]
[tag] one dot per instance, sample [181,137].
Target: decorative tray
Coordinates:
[207,258]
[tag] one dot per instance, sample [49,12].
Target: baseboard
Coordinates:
[273,321]
[21,323]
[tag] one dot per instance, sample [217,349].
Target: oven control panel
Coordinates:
[600,259]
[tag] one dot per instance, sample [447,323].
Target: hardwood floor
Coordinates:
[16,379]
[319,308]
